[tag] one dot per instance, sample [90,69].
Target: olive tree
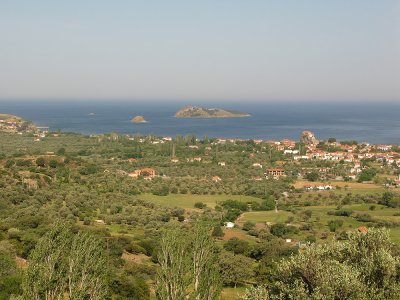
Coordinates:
[366,266]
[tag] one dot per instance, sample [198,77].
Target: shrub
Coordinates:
[237,246]
[40,162]
[340,213]
[247,226]
[278,229]
[334,225]
[200,205]
[217,231]
[364,218]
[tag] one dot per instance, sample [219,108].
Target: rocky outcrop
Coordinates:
[308,138]
[138,119]
[200,112]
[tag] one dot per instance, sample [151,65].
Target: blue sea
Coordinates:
[364,122]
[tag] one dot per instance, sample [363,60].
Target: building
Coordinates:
[146,173]
[362,229]
[257,165]
[229,225]
[276,172]
[216,179]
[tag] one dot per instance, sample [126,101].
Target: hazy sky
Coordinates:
[204,49]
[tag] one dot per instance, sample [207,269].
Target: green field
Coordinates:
[320,218]
[188,201]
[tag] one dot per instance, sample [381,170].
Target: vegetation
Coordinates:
[75,224]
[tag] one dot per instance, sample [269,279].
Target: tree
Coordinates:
[87,268]
[65,263]
[255,293]
[40,162]
[388,199]
[173,278]
[279,229]
[61,151]
[367,175]
[200,205]
[45,276]
[9,163]
[315,275]
[235,269]
[312,176]
[335,225]
[53,163]
[10,278]
[366,266]
[207,284]
[188,259]
[237,246]
[217,231]
[248,225]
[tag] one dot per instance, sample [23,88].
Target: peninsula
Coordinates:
[11,123]
[200,112]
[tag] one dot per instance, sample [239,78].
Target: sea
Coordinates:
[377,122]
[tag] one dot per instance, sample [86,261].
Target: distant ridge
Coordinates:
[201,112]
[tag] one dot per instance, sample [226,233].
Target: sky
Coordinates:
[227,50]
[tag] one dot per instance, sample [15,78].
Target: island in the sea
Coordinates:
[138,119]
[200,112]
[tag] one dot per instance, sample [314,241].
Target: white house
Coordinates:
[229,224]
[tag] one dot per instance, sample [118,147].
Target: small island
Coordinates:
[138,119]
[200,112]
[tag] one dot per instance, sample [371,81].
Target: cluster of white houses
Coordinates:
[350,154]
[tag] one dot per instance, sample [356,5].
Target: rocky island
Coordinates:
[200,112]
[138,119]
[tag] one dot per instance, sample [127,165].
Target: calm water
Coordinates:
[375,123]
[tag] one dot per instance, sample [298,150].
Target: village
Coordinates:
[333,161]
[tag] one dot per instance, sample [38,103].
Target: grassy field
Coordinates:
[14,143]
[320,218]
[350,184]
[231,293]
[188,201]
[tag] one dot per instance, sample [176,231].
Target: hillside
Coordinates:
[200,112]
[11,123]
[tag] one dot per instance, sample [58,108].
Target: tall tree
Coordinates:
[173,277]
[66,264]
[87,268]
[45,276]
[188,259]
[207,285]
